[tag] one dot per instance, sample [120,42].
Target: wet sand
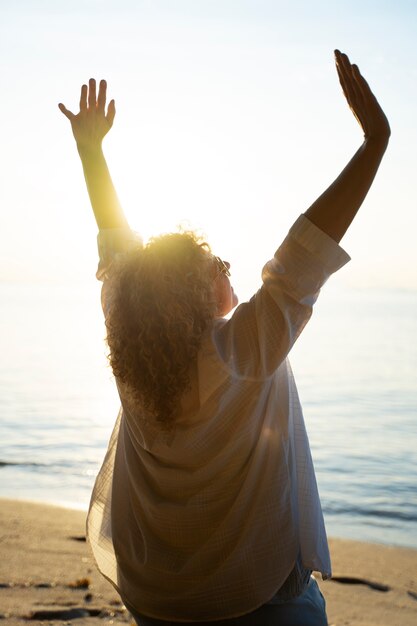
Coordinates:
[47,575]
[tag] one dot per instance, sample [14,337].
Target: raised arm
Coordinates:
[335,209]
[89,127]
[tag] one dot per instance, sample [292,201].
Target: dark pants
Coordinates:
[308,609]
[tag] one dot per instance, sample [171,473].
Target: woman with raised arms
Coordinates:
[206,507]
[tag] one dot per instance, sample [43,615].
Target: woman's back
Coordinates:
[227,496]
[204,514]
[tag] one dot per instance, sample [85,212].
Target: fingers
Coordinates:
[101,98]
[111,112]
[89,100]
[349,78]
[342,75]
[65,111]
[342,82]
[346,71]
[83,98]
[92,93]
[362,83]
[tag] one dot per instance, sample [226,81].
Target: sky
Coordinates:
[230,119]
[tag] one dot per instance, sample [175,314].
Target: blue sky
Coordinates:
[229,118]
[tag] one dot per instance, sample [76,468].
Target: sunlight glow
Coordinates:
[229,117]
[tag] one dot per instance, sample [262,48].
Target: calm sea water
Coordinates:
[355,366]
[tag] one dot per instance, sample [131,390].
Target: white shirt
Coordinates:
[206,522]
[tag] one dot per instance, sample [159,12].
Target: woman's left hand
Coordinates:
[361,100]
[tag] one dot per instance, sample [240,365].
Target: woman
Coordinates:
[206,507]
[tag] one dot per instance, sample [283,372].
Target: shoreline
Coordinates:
[74,506]
[47,574]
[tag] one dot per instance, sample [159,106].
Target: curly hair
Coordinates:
[162,301]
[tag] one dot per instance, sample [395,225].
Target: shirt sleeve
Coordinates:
[111,243]
[261,332]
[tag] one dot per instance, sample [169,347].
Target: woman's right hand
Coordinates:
[92,123]
[89,127]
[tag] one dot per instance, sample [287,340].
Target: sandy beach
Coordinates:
[47,575]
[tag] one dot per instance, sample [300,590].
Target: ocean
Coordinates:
[356,369]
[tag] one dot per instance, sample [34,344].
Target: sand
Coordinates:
[47,575]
